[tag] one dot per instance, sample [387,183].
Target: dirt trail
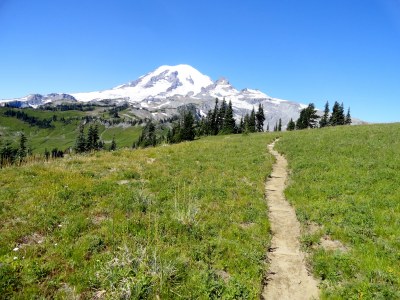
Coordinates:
[287,276]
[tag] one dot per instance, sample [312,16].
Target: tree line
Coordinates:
[91,141]
[31,120]
[309,117]
[219,120]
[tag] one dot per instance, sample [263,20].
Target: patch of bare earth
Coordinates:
[287,277]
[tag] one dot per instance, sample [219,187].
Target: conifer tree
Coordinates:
[148,136]
[337,116]
[348,117]
[291,125]
[221,115]
[46,154]
[268,127]
[280,125]
[246,123]
[252,121]
[187,130]
[325,118]
[241,126]
[92,138]
[113,145]
[80,143]
[229,124]
[308,117]
[214,119]
[260,118]
[22,150]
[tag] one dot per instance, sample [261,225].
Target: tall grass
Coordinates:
[183,221]
[346,180]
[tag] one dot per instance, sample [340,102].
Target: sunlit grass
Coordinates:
[346,179]
[182,221]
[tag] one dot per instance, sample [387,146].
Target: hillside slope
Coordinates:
[182,221]
[345,187]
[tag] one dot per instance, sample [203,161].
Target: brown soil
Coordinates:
[287,277]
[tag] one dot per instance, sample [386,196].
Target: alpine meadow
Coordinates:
[189,220]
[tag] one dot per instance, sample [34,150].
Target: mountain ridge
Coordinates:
[159,93]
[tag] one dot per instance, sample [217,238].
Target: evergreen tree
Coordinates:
[246,122]
[187,131]
[325,118]
[148,136]
[268,127]
[308,117]
[113,145]
[241,127]
[80,143]
[214,119]
[260,118]
[229,122]
[291,125]
[92,142]
[46,154]
[252,121]
[337,116]
[280,125]
[348,117]
[221,115]
[22,150]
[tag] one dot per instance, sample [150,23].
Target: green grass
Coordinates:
[346,180]
[182,221]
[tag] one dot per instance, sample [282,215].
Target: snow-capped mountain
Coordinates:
[162,83]
[161,92]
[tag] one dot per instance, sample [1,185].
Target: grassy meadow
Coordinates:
[345,186]
[185,221]
[61,135]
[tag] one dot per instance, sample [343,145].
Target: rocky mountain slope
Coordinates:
[161,92]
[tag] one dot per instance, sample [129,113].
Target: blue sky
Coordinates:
[305,51]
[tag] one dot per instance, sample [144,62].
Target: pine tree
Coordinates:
[325,118]
[308,117]
[187,130]
[241,126]
[214,119]
[221,115]
[246,122]
[337,116]
[148,136]
[80,143]
[46,154]
[260,118]
[291,125]
[22,150]
[252,121]
[229,122]
[113,145]
[348,117]
[268,127]
[280,125]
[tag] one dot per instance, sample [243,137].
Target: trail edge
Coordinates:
[287,277]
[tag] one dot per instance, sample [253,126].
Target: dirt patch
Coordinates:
[312,228]
[287,277]
[246,225]
[332,245]
[98,219]
[224,275]
[151,160]
[122,182]
[34,238]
